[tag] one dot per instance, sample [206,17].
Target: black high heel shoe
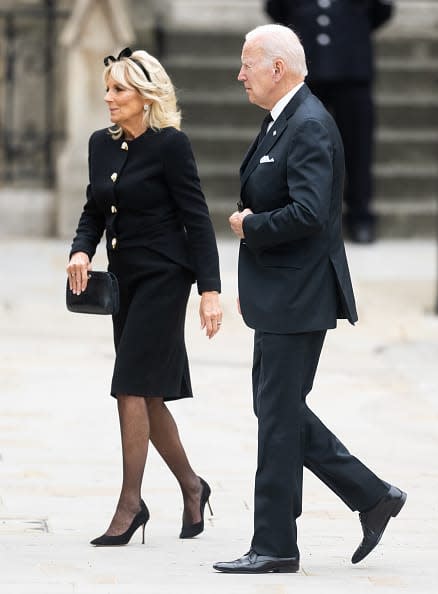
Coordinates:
[140,519]
[194,529]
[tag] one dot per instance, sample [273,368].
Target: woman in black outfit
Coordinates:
[145,192]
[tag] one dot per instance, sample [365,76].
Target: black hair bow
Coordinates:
[127,53]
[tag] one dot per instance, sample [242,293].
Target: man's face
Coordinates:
[257,75]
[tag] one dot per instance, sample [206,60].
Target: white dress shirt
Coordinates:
[281,104]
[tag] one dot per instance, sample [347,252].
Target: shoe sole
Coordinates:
[282,569]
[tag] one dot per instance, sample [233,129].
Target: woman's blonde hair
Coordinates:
[134,72]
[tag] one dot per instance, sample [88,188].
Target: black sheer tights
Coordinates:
[143,420]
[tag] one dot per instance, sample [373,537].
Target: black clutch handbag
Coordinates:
[100,297]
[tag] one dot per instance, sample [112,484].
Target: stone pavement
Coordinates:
[377,388]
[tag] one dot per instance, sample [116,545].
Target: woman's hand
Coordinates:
[77,271]
[210,313]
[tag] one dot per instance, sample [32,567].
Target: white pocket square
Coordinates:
[266,159]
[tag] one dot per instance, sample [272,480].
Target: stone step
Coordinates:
[211,15]
[399,182]
[392,76]
[406,219]
[413,77]
[406,47]
[199,74]
[229,43]
[203,43]
[408,147]
[222,144]
[407,110]
[232,109]
[395,218]
[392,182]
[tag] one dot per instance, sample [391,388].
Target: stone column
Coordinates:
[95,29]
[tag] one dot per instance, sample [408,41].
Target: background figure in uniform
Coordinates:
[336,35]
[144,191]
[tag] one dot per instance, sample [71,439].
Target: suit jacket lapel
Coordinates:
[249,154]
[252,158]
[263,148]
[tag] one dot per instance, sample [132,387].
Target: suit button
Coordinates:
[113,209]
[323,39]
[324,3]
[114,176]
[114,243]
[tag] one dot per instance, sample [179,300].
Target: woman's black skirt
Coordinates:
[151,357]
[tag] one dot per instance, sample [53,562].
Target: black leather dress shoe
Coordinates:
[375,521]
[254,563]
[362,232]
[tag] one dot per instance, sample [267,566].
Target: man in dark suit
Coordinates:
[294,284]
[336,35]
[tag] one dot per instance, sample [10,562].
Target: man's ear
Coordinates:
[278,69]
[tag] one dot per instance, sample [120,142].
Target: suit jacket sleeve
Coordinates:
[380,12]
[91,223]
[185,188]
[309,186]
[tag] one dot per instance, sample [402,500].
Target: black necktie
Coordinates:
[268,119]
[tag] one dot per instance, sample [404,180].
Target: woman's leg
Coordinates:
[135,432]
[165,437]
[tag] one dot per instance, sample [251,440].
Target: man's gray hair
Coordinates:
[278,41]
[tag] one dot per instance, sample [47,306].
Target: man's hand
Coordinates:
[236,222]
